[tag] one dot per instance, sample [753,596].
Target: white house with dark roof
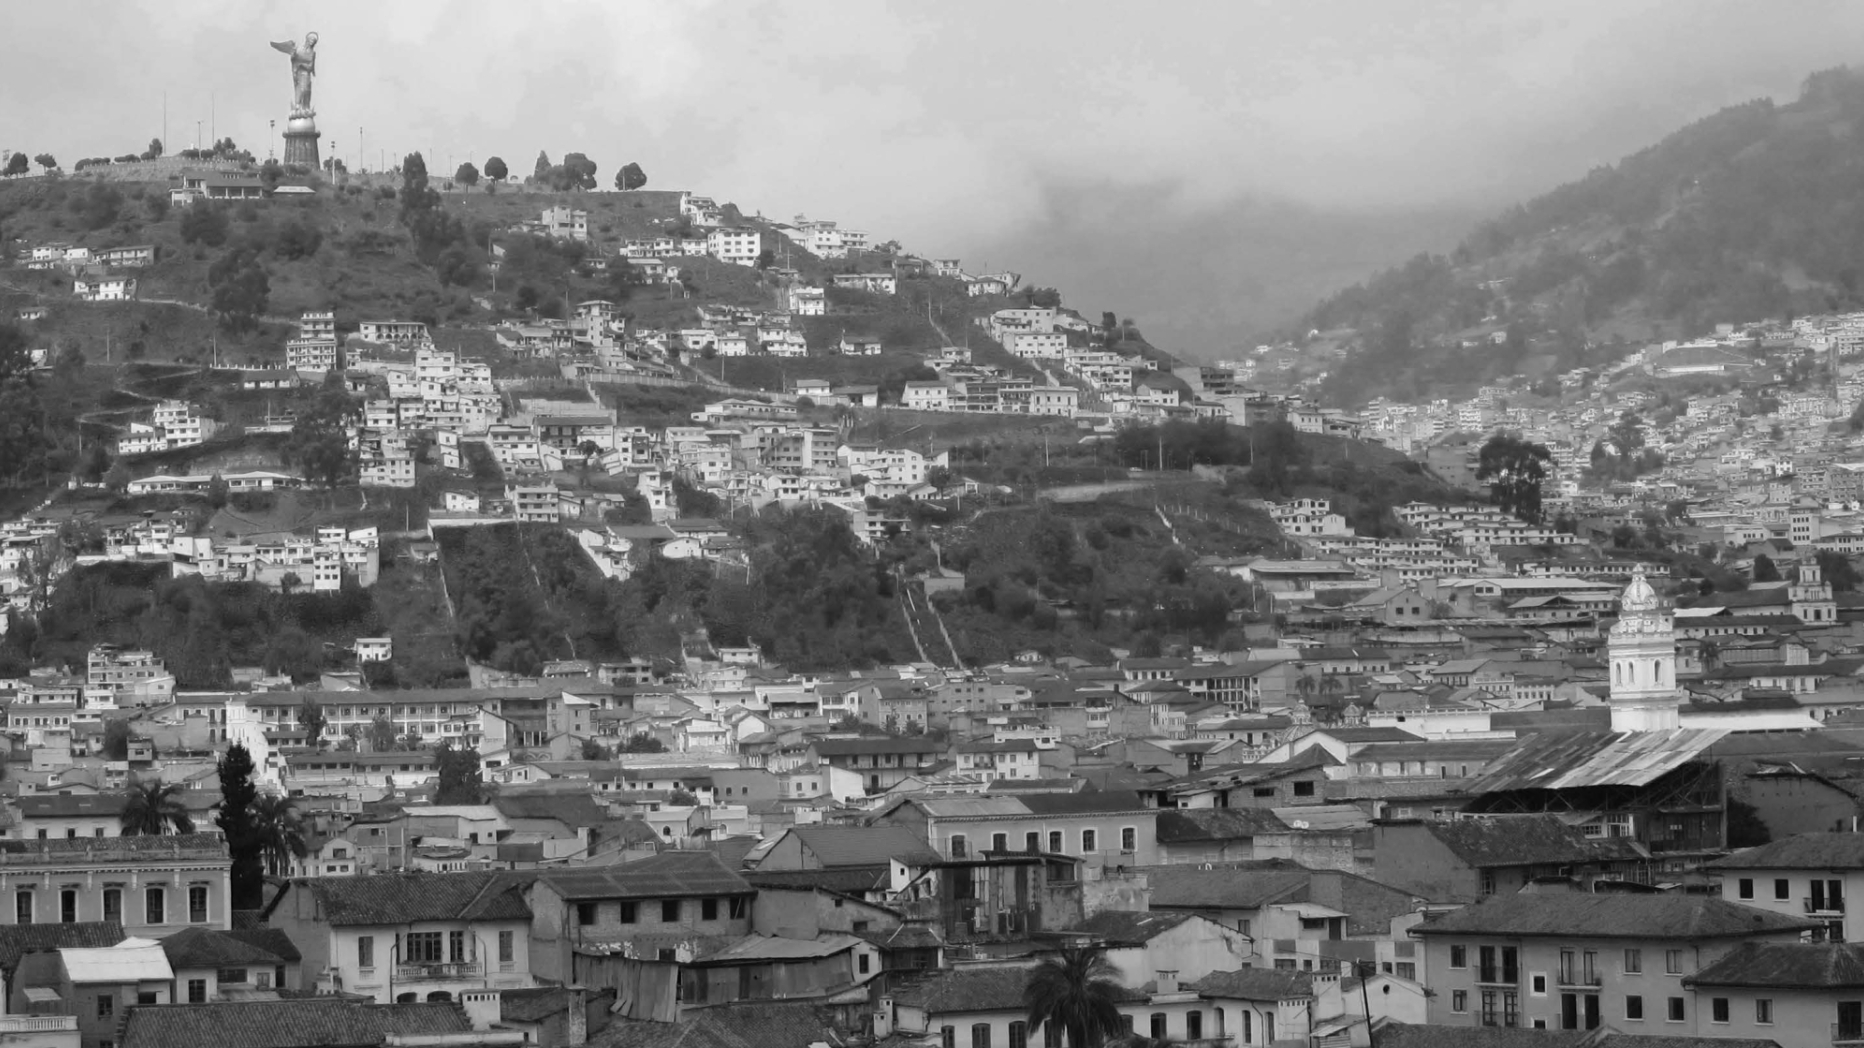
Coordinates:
[412,937]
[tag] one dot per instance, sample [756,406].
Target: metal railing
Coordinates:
[439,970]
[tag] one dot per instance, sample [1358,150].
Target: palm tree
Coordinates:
[1078,988]
[153,808]
[281,835]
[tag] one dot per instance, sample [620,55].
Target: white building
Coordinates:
[736,245]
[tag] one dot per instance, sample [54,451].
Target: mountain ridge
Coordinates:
[1749,213]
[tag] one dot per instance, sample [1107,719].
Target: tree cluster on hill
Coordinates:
[523,596]
[319,443]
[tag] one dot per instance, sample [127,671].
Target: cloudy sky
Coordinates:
[1179,161]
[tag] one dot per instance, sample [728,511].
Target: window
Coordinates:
[1763,1011]
[585,913]
[1304,789]
[1488,882]
[507,947]
[1129,839]
[1158,1026]
[68,906]
[1459,956]
[947,1037]
[1634,1007]
[1193,1025]
[1459,1000]
[1538,984]
[1676,1009]
[1051,1035]
[957,846]
[1488,1007]
[1090,841]
[1055,842]
[669,911]
[1407,970]
[421,948]
[1032,841]
[456,947]
[1744,888]
[1782,888]
[106,1006]
[863,965]
[1019,1033]
[113,904]
[154,903]
[999,842]
[1673,962]
[708,909]
[1718,1009]
[197,991]
[365,952]
[628,912]
[197,904]
[1634,962]
[980,1035]
[231,976]
[22,908]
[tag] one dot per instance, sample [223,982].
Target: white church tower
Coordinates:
[1643,654]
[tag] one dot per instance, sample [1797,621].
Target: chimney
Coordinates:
[576,1023]
[483,1009]
[1167,981]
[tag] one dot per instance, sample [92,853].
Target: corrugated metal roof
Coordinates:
[1580,759]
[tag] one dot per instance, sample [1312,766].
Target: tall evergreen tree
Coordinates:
[236,821]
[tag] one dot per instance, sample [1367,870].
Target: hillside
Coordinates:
[1754,212]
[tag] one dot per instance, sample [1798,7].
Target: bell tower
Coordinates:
[1811,595]
[1642,644]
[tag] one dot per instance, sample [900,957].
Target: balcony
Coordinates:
[1499,976]
[1821,904]
[36,1023]
[437,970]
[1581,979]
[1847,1033]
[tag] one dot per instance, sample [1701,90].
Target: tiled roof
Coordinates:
[17,940]
[1186,825]
[206,948]
[1528,840]
[272,940]
[852,880]
[1256,984]
[1817,965]
[1131,927]
[1651,1040]
[861,747]
[1816,851]
[1611,916]
[667,875]
[1408,1035]
[571,809]
[408,897]
[1084,803]
[835,846]
[761,1025]
[1190,887]
[288,1023]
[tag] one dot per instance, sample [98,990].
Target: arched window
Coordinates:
[980,1035]
[1193,1025]
[948,1037]
[1158,1026]
[1019,1035]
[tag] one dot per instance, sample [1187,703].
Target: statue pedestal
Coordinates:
[301,137]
